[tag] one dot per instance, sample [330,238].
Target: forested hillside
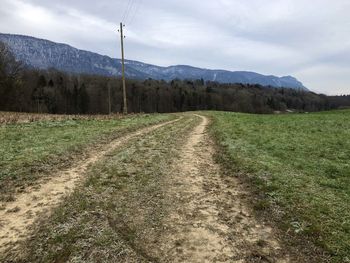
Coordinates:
[52,91]
[56,92]
[44,54]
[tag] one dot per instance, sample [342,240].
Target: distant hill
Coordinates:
[44,54]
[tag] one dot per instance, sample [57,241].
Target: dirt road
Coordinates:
[17,217]
[210,222]
[156,195]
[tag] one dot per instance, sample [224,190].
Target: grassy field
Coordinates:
[29,151]
[116,215]
[300,163]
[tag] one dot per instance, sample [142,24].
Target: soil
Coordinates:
[208,219]
[211,221]
[17,218]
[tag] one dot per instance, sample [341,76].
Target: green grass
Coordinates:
[116,215]
[30,151]
[301,163]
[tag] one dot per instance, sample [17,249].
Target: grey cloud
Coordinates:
[307,39]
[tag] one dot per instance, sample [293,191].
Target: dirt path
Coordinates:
[210,221]
[18,217]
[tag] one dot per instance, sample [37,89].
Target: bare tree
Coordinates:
[10,79]
[9,67]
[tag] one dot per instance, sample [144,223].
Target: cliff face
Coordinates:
[44,54]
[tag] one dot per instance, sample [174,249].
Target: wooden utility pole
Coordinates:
[125,106]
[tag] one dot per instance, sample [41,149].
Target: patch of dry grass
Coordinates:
[116,216]
[29,151]
[23,117]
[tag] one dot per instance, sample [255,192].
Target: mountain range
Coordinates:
[45,54]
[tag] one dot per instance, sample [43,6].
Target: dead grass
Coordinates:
[32,151]
[116,216]
[15,220]
[23,117]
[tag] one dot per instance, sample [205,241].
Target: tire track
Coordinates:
[18,218]
[209,221]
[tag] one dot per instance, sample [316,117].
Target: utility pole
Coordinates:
[125,106]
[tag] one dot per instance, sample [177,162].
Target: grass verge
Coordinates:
[299,165]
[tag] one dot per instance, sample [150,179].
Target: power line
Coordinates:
[126,10]
[138,5]
[132,9]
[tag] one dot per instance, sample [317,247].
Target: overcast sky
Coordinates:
[306,39]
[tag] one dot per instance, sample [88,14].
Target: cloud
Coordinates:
[307,39]
[63,24]
[319,76]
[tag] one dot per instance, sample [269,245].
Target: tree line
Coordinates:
[52,91]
